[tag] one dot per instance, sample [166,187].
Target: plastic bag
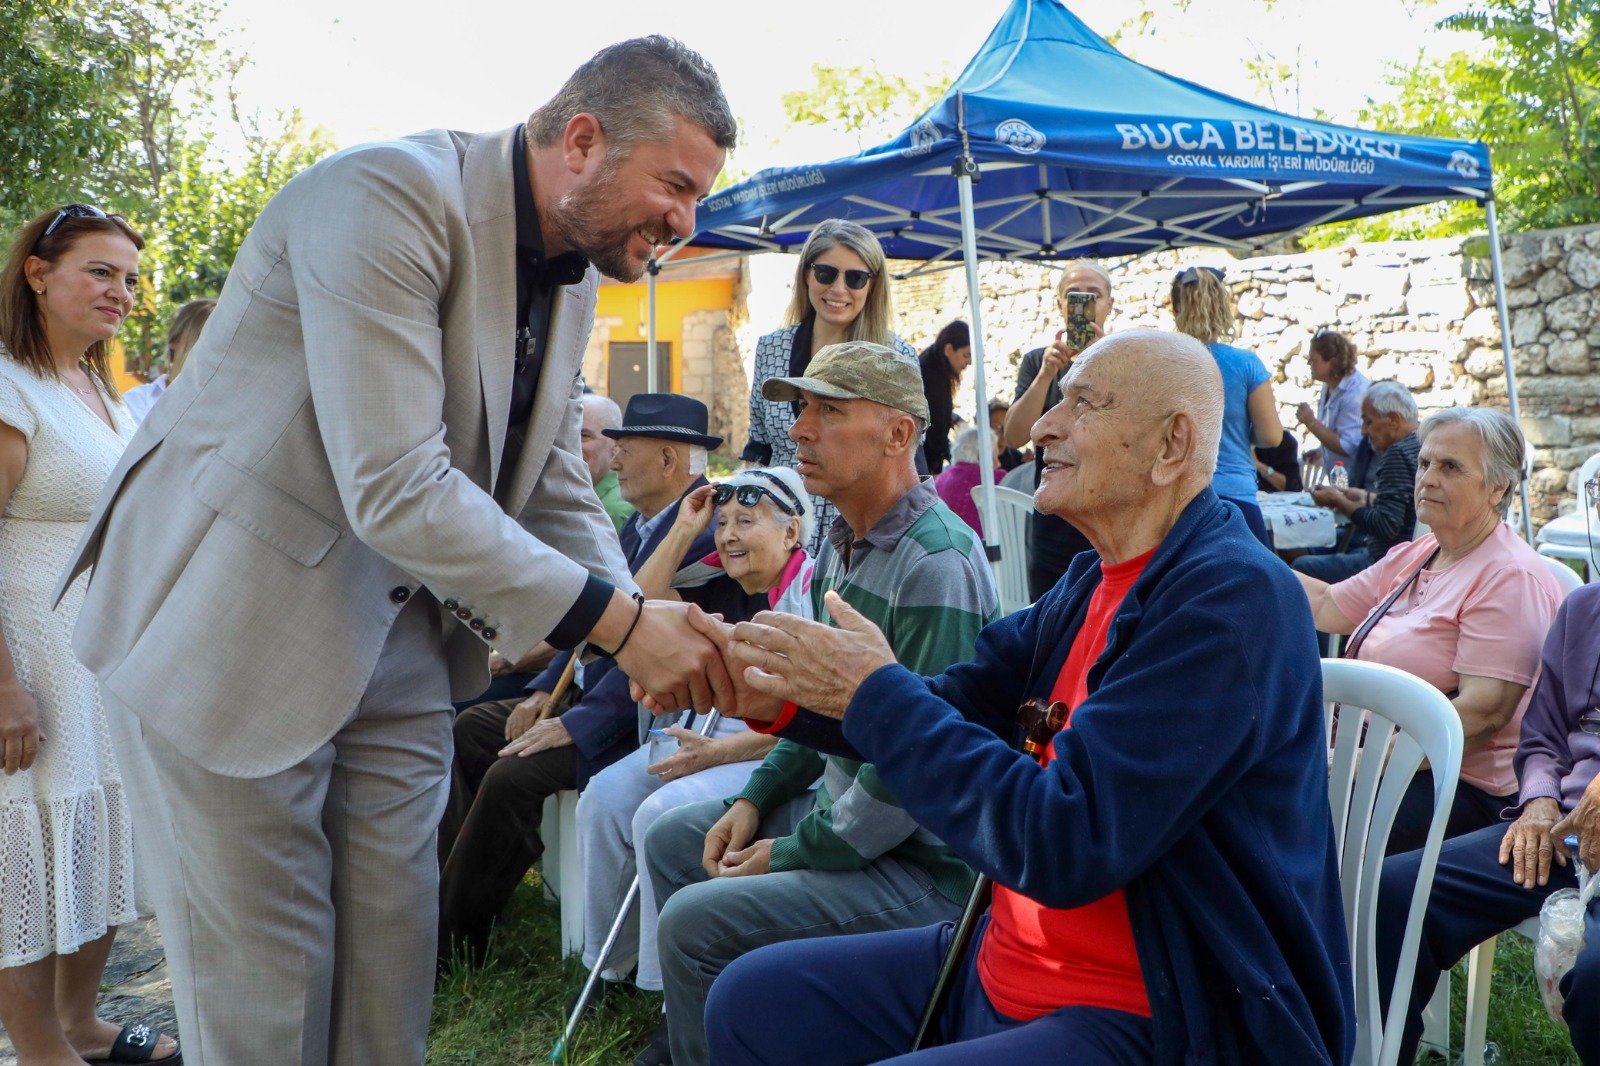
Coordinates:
[1561,937]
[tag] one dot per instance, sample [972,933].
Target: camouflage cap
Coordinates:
[857,370]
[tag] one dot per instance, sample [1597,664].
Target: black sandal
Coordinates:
[135,1044]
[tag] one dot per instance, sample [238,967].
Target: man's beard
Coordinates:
[587,220]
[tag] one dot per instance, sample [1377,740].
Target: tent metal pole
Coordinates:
[966,168]
[650,375]
[1505,349]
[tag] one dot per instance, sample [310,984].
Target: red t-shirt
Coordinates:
[1036,959]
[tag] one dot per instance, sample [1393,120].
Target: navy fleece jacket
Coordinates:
[1194,777]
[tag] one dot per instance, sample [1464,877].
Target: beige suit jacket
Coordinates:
[330,449]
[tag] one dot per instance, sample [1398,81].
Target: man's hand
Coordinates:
[731,832]
[19,728]
[695,753]
[1584,821]
[756,859]
[1345,501]
[674,662]
[748,702]
[545,735]
[1531,841]
[525,714]
[815,665]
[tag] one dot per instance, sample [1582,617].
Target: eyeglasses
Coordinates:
[1192,274]
[855,280]
[72,211]
[749,495]
[1040,721]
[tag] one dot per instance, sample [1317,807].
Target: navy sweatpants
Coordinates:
[844,1000]
[1473,899]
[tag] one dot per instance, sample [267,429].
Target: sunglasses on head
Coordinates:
[1192,274]
[750,495]
[72,211]
[853,279]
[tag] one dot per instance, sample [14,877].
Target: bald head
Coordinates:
[599,413]
[1134,438]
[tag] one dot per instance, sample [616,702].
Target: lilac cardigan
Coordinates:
[1555,757]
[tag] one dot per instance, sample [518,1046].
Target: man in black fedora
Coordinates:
[508,758]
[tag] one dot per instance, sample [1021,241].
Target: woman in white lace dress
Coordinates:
[66,845]
[841,293]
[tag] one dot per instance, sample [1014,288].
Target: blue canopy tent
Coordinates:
[1051,144]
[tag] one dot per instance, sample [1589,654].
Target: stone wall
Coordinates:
[1420,312]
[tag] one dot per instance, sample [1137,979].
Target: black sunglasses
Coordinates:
[1192,274]
[750,495]
[853,279]
[72,211]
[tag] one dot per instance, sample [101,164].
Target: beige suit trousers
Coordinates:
[299,910]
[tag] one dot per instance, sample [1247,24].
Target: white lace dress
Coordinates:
[66,843]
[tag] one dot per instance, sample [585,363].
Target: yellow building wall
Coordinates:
[674,300]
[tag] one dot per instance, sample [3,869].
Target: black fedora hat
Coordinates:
[666,416]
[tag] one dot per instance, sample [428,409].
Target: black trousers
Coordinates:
[490,834]
[1471,810]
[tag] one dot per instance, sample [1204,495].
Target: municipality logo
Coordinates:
[1463,163]
[924,135]
[1018,136]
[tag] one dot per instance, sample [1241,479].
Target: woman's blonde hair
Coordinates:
[1202,307]
[183,332]
[872,324]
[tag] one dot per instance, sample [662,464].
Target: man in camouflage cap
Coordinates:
[778,862]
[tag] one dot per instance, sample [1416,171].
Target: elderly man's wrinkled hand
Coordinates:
[747,702]
[1531,842]
[809,663]
[670,659]
[551,733]
[1584,821]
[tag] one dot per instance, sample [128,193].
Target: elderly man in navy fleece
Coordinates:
[1166,884]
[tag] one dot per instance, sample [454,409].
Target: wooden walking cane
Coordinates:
[563,683]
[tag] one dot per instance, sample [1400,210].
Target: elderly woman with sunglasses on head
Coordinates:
[763,521]
[66,842]
[1464,607]
[841,293]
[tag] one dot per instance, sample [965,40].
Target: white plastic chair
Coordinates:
[1568,536]
[560,867]
[1012,509]
[1480,963]
[1364,793]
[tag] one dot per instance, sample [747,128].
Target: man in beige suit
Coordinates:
[369,473]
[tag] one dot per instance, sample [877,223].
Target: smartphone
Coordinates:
[1080,319]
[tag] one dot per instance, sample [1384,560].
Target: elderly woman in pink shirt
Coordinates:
[1464,607]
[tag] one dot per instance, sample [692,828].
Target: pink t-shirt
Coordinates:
[1484,615]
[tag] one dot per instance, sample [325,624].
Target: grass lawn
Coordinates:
[510,1012]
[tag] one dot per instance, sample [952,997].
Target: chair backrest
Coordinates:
[1364,793]
[1590,467]
[1012,509]
[1565,576]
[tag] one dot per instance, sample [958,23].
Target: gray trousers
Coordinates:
[705,924]
[298,910]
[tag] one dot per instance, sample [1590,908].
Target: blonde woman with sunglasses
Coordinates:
[841,293]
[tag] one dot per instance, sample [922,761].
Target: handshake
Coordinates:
[681,657]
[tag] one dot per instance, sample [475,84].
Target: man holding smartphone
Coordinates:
[1054,542]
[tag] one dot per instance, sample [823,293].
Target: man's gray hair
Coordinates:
[966,448]
[697,460]
[1194,387]
[1502,440]
[759,476]
[1392,398]
[636,90]
[612,417]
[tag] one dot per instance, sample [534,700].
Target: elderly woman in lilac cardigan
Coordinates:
[956,482]
[1492,880]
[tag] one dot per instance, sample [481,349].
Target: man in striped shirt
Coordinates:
[781,861]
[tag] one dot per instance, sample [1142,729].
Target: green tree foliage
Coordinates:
[1530,90]
[56,111]
[863,101]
